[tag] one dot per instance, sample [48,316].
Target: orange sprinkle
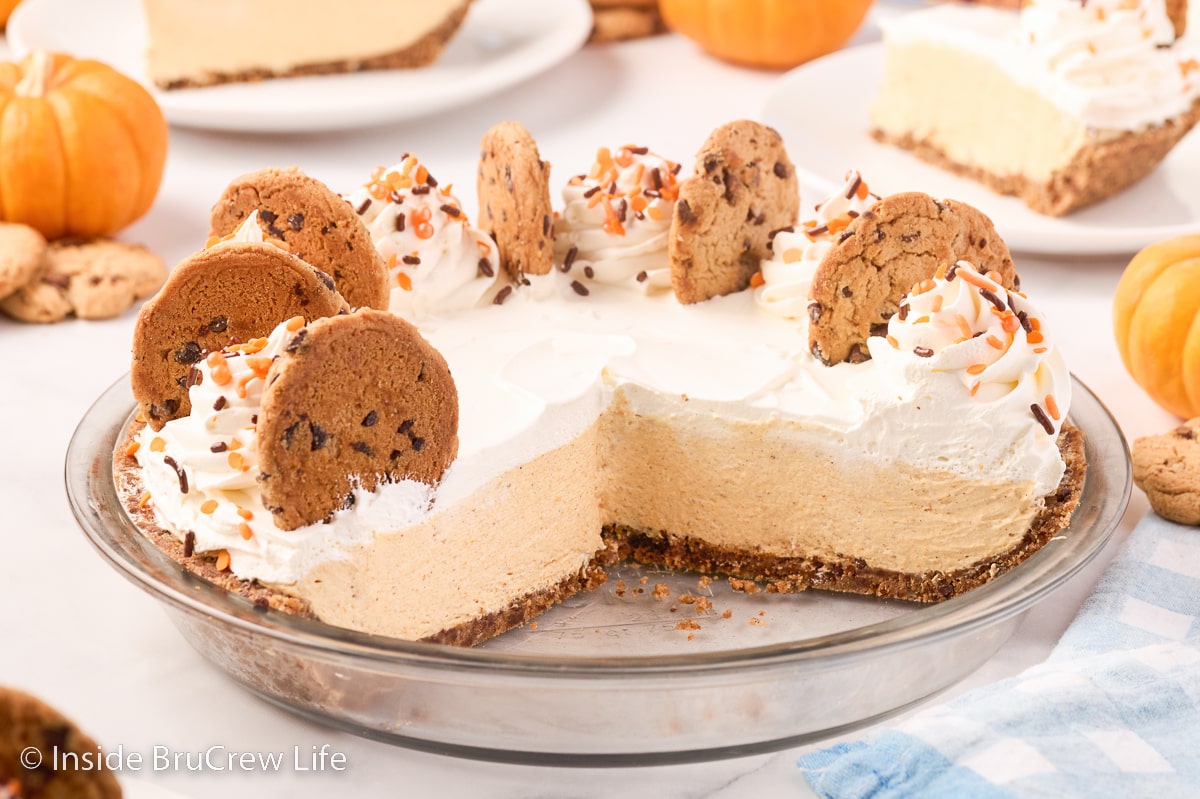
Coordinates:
[638,204]
[254,345]
[1188,66]
[421,215]
[892,340]
[975,388]
[209,506]
[612,223]
[1010,323]
[1040,350]
[391,261]
[141,417]
[424,230]
[964,326]
[157,444]
[236,461]
[862,192]
[1035,338]
[245,513]
[940,272]
[937,303]
[977,368]
[1035,323]
[839,224]
[145,499]
[422,175]
[926,285]
[995,342]
[133,447]
[294,324]
[240,387]
[235,443]
[260,366]
[211,240]
[1052,407]
[974,278]
[792,255]
[655,213]
[484,247]
[994,276]
[757,280]
[222,561]
[924,320]
[404,281]
[221,375]
[246,532]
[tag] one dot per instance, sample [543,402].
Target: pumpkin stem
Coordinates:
[38,67]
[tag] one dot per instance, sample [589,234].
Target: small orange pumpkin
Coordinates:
[1156,319]
[775,34]
[82,147]
[6,9]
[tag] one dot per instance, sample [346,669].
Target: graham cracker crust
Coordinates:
[660,548]
[420,53]
[1098,171]
[854,575]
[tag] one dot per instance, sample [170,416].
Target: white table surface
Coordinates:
[77,634]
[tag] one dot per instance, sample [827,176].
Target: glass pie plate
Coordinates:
[616,675]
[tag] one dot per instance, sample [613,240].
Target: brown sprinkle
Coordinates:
[569,258]
[189,544]
[502,295]
[220,403]
[579,288]
[1042,418]
[642,276]
[179,472]
[485,268]
[923,352]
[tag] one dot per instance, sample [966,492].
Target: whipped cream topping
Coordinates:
[202,472]
[783,284]
[1112,64]
[614,226]
[437,260]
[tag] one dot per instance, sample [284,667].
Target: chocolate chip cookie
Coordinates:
[881,254]
[315,223]
[744,187]
[354,401]
[232,290]
[514,200]
[1167,468]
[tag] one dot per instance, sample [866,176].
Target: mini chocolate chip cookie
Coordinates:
[619,23]
[27,723]
[315,223]
[514,200]
[92,279]
[354,401]
[22,256]
[233,290]
[744,186]
[881,254]
[1167,468]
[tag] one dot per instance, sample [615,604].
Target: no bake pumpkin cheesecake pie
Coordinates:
[1062,105]
[222,41]
[858,400]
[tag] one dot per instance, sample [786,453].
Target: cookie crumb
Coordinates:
[728,614]
[748,587]
[661,591]
[687,624]
[620,591]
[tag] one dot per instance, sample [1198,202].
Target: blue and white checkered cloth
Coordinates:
[1114,711]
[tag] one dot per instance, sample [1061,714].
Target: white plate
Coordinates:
[500,43]
[821,109]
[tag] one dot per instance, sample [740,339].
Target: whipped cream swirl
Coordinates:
[964,347]
[782,286]
[1115,62]
[437,260]
[617,219]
